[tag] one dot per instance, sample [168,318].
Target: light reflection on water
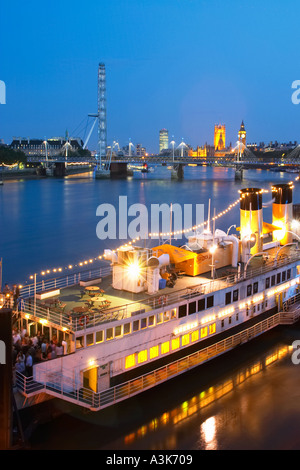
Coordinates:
[193,408]
[246,399]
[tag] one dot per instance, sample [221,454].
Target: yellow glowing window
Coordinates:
[212,328]
[130,361]
[175,343]
[195,335]
[165,347]
[153,352]
[143,356]
[159,318]
[204,332]
[185,339]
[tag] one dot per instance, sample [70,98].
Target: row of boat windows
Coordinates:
[126,328]
[249,310]
[168,346]
[121,330]
[184,340]
[253,288]
[183,310]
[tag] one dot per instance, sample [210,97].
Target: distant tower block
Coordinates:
[163,140]
[102,129]
[242,134]
[220,137]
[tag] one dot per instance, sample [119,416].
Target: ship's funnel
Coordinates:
[251,218]
[282,213]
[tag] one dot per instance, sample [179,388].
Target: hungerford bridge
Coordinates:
[239,158]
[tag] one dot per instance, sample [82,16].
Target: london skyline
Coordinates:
[184,66]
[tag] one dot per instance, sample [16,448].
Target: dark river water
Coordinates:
[243,400]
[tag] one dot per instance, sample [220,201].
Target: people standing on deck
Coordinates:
[28,364]
[28,350]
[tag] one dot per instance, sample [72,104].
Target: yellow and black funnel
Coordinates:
[282,212]
[251,218]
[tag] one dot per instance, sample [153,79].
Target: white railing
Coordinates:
[64,281]
[58,385]
[156,302]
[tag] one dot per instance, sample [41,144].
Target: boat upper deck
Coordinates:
[74,307]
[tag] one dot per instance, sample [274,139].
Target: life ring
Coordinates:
[84,319]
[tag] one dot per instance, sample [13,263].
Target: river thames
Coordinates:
[248,399]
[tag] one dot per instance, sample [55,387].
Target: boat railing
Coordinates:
[159,301]
[45,315]
[66,387]
[63,281]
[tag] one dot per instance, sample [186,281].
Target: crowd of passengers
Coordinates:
[28,350]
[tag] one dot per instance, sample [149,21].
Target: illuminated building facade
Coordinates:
[163,140]
[199,152]
[220,137]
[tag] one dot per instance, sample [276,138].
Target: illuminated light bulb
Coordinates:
[213,249]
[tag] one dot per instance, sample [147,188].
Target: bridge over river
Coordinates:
[118,165]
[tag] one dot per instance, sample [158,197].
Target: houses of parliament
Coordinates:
[219,149]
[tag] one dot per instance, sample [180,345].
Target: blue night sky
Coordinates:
[180,64]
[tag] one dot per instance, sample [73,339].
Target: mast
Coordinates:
[102,129]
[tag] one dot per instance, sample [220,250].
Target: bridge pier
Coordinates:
[178,172]
[59,169]
[118,170]
[238,174]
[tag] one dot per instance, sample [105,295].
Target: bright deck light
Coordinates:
[133,269]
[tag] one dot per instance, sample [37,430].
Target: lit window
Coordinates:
[195,335]
[130,361]
[204,332]
[212,328]
[165,347]
[109,333]
[185,339]
[175,343]
[90,339]
[118,330]
[153,352]
[143,356]
[159,318]
[173,313]
[126,328]
[166,316]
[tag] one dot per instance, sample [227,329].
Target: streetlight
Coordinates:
[46,152]
[34,301]
[173,145]
[212,250]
